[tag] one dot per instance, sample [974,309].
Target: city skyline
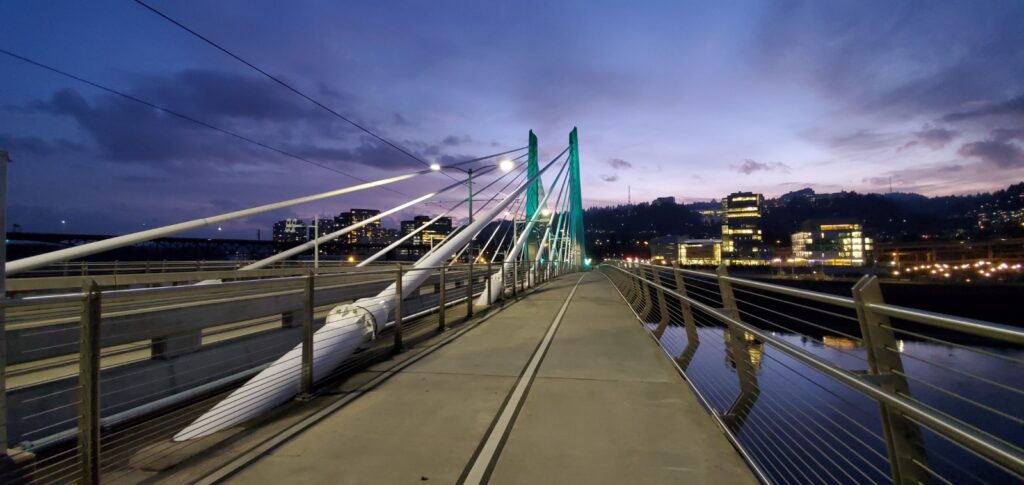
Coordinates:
[682,100]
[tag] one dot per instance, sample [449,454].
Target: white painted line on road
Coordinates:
[484,461]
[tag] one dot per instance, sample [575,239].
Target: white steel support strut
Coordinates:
[25,264]
[498,279]
[348,328]
[341,232]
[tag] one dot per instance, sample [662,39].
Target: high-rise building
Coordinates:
[434,234]
[741,231]
[370,233]
[437,231]
[833,242]
[291,230]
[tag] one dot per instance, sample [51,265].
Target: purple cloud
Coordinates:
[1000,154]
[934,138]
[749,166]
[619,164]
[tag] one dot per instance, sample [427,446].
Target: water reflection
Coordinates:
[796,417]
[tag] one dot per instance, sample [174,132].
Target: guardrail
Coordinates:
[809,365]
[96,376]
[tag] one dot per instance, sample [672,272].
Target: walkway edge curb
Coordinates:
[733,440]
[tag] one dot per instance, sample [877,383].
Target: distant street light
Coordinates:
[504,166]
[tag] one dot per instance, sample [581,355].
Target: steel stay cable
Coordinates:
[794,371]
[950,416]
[458,255]
[965,437]
[247,364]
[954,344]
[784,443]
[957,371]
[962,398]
[778,439]
[345,365]
[279,81]
[750,408]
[794,332]
[326,377]
[754,435]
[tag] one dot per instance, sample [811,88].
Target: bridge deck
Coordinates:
[526,397]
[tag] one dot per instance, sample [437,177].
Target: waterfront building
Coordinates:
[834,242]
[291,230]
[665,249]
[741,231]
[700,252]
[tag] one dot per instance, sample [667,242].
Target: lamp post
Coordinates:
[505,166]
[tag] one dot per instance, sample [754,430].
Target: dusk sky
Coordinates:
[692,100]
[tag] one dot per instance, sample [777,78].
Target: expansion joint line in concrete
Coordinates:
[482,464]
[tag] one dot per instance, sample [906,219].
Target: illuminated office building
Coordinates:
[831,243]
[700,252]
[430,236]
[741,229]
[291,231]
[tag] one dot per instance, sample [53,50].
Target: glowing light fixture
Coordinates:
[435,167]
[506,165]
[545,212]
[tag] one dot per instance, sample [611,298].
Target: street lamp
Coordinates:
[504,166]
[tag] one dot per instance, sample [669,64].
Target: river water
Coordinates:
[805,427]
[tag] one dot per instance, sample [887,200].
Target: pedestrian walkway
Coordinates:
[562,386]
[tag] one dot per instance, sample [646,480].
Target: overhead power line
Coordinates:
[217,128]
[282,83]
[177,114]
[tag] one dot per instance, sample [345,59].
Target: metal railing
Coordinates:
[99,379]
[825,388]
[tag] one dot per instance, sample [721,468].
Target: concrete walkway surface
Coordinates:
[552,389]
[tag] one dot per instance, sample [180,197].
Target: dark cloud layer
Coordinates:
[619,164]
[124,131]
[994,153]
[749,166]
[1012,107]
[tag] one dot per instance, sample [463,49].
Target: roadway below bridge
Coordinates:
[562,386]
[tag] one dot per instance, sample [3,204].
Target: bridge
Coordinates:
[497,356]
[534,365]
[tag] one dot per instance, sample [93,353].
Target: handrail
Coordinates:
[966,325]
[950,429]
[961,324]
[783,290]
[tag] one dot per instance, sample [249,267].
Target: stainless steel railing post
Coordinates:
[397,347]
[441,309]
[488,287]
[515,278]
[738,342]
[645,294]
[89,385]
[308,307]
[662,304]
[902,437]
[469,291]
[692,338]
